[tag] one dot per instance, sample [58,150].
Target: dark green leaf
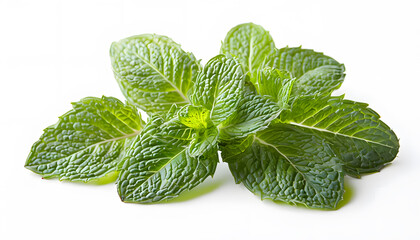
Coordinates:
[159,167]
[285,164]
[362,141]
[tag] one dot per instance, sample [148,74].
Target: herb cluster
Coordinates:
[269,111]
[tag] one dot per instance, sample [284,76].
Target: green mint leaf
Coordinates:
[87,142]
[357,135]
[285,164]
[194,124]
[254,114]
[172,127]
[176,129]
[194,117]
[158,167]
[204,141]
[235,146]
[275,84]
[219,88]
[153,71]
[250,43]
[315,73]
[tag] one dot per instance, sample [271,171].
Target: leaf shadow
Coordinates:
[201,190]
[105,180]
[347,196]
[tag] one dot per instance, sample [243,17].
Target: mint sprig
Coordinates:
[269,111]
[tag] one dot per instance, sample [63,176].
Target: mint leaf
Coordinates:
[285,164]
[255,112]
[219,88]
[315,73]
[235,146]
[205,140]
[153,71]
[158,167]
[194,117]
[87,142]
[360,139]
[250,43]
[275,84]
[175,129]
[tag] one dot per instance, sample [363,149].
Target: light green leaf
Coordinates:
[250,43]
[289,165]
[255,112]
[153,71]
[173,127]
[219,88]
[87,142]
[315,73]
[275,84]
[194,117]
[356,134]
[159,167]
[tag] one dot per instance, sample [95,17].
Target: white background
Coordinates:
[56,52]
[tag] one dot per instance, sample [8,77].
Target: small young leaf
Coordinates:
[250,43]
[275,84]
[219,88]
[362,141]
[194,117]
[204,141]
[285,164]
[315,73]
[87,142]
[153,71]
[159,167]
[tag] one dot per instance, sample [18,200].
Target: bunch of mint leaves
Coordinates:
[269,111]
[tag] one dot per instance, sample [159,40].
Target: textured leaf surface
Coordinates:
[87,142]
[194,117]
[286,164]
[158,167]
[315,73]
[153,71]
[204,141]
[250,43]
[275,84]
[255,112]
[219,88]
[360,139]
[174,128]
